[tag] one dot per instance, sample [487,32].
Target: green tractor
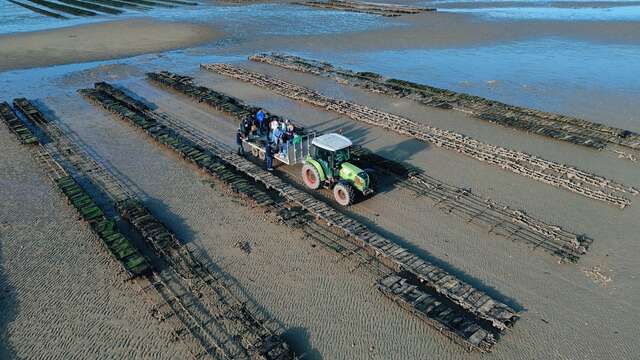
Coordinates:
[327,164]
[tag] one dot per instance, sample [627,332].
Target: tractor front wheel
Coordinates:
[310,176]
[344,194]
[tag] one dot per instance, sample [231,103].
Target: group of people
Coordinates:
[277,135]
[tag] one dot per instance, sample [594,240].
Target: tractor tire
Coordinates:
[344,194]
[310,176]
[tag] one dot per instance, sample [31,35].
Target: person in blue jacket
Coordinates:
[260,120]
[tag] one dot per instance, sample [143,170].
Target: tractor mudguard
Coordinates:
[318,167]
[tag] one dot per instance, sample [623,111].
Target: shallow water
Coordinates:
[42,82]
[569,10]
[257,19]
[591,80]
[575,3]
[553,74]
[617,13]
[14,18]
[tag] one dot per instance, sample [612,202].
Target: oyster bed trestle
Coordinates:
[559,175]
[118,245]
[489,317]
[560,127]
[38,10]
[220,324]
[501,219]
[63,9]
[388,10]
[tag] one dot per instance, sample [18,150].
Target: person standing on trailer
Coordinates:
[277,137]
[297,141]
[239,138]
[273,125]
[260,120]
[268,155]
[245,127]
[284,144]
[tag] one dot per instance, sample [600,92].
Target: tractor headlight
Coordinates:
[362,180]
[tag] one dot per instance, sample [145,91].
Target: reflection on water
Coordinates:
[550,74]
[619,13]
[567,10]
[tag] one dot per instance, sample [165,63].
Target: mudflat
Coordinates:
[102,41]
[63,296]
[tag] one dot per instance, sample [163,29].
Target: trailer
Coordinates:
[296,153]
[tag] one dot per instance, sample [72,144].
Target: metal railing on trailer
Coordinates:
[295,154]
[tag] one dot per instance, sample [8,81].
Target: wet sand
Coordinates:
[102,41]
[60,293]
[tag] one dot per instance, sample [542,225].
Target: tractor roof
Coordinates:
[332,142]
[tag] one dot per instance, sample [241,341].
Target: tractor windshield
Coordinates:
[342,155]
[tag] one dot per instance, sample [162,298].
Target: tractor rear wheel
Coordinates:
[344,194]
[310,176]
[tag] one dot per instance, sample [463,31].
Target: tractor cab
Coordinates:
[327,164]
[331,151]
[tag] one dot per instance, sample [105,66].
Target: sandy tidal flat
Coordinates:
[101,41]
[62,297]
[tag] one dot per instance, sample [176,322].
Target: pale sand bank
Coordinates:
[103,41]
